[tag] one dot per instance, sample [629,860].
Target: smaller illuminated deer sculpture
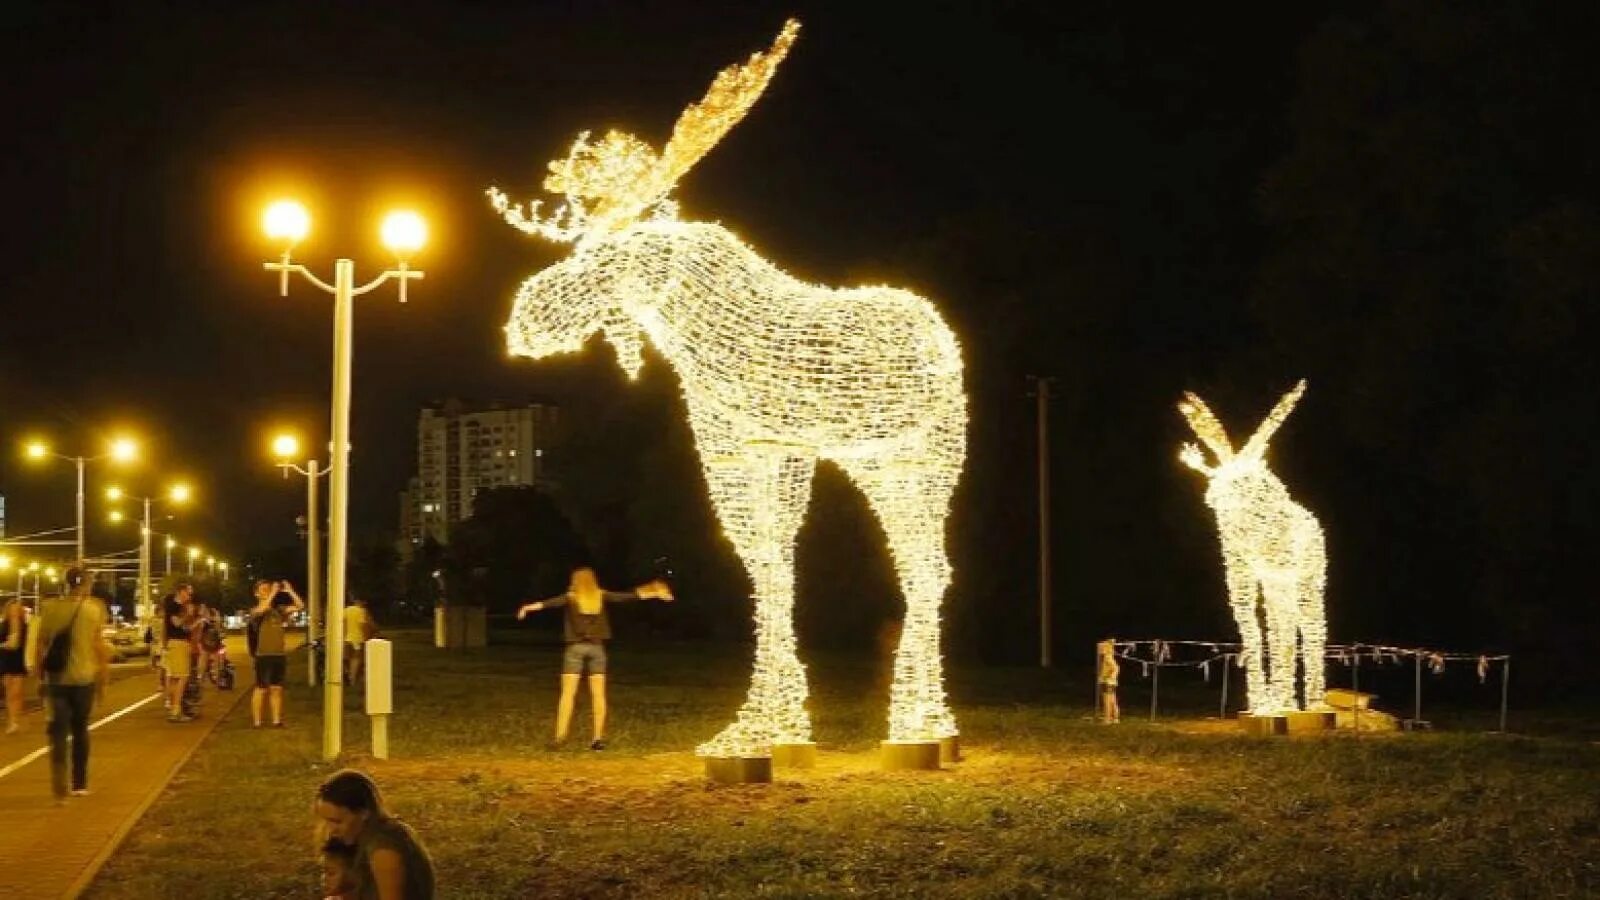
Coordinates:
[1275,557]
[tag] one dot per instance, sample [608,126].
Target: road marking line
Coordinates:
[46,748]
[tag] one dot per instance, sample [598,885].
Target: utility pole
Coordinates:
[1042,395]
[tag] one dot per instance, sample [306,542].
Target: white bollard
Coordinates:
[379,665]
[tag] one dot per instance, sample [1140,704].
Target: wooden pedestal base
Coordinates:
[739,769]
[1311,720]
[901,756]
[1263,725]
[794,756]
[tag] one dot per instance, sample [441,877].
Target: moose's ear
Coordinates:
[1192,456]
[1257,445]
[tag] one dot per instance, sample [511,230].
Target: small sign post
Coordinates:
[379,664]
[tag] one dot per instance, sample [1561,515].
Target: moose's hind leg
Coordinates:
[912,499]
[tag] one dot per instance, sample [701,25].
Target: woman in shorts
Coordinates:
[586,631]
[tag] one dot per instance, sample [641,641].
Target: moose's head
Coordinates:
[1238,480]
[616,189]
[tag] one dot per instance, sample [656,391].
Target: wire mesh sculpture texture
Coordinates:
[1275,558]
[777,374]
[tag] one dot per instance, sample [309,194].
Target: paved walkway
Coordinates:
[49,851]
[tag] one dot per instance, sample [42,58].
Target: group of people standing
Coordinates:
[366,852]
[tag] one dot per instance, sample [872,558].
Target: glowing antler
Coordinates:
[1257,445]
[1206,426]
[611,184]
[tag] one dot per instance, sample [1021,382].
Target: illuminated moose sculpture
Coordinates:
[1274,553]
[777,374]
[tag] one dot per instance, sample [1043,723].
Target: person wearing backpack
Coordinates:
[276,602]
[69,651]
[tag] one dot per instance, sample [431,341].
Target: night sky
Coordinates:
[1138,199]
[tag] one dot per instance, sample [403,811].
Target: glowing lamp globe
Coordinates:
[124,449]
[180,493]
[404,233]
[37,450]
[286,446]
[286,221]
[114,493]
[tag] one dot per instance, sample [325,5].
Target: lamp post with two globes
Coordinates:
[404,233]
[286,447]
[122,450]
[177,494]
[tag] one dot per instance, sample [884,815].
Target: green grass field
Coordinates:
[1047,803]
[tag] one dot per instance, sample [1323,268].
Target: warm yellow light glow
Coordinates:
[194,552]
[50,572]
[286,446]
[777,374]
[124,449]
[38,450]
[5,562]
[116,516]
[180,493]
[286,221]
[211,560]
[404,232]
[114,493]
[1275,558]
[33,567]
[172,543]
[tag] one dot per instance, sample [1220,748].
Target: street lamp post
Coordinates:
[194,554]
[285,447]
[404,233]
[178,493]
[122,450]
[171,542]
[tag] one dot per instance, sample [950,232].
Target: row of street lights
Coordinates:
[126,450]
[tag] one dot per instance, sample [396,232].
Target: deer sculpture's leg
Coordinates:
[1243,598]
[760,497]
[1314,618]
[1283,632]
[912,499]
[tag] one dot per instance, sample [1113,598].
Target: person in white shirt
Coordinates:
[358,628]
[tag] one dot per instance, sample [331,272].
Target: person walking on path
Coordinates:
[358,629]
[178,615]
[13,661]
[586,630]
[390,861]
[276,601]
[70,652]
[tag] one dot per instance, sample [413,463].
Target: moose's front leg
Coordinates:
[1244,598]
[760,495]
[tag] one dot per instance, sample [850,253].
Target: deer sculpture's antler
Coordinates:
[1207,427]
[1257,445]
[610,184]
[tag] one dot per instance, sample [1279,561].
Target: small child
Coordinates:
[1110,713]
[339,871]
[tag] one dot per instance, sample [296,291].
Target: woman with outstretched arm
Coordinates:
[586,631]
